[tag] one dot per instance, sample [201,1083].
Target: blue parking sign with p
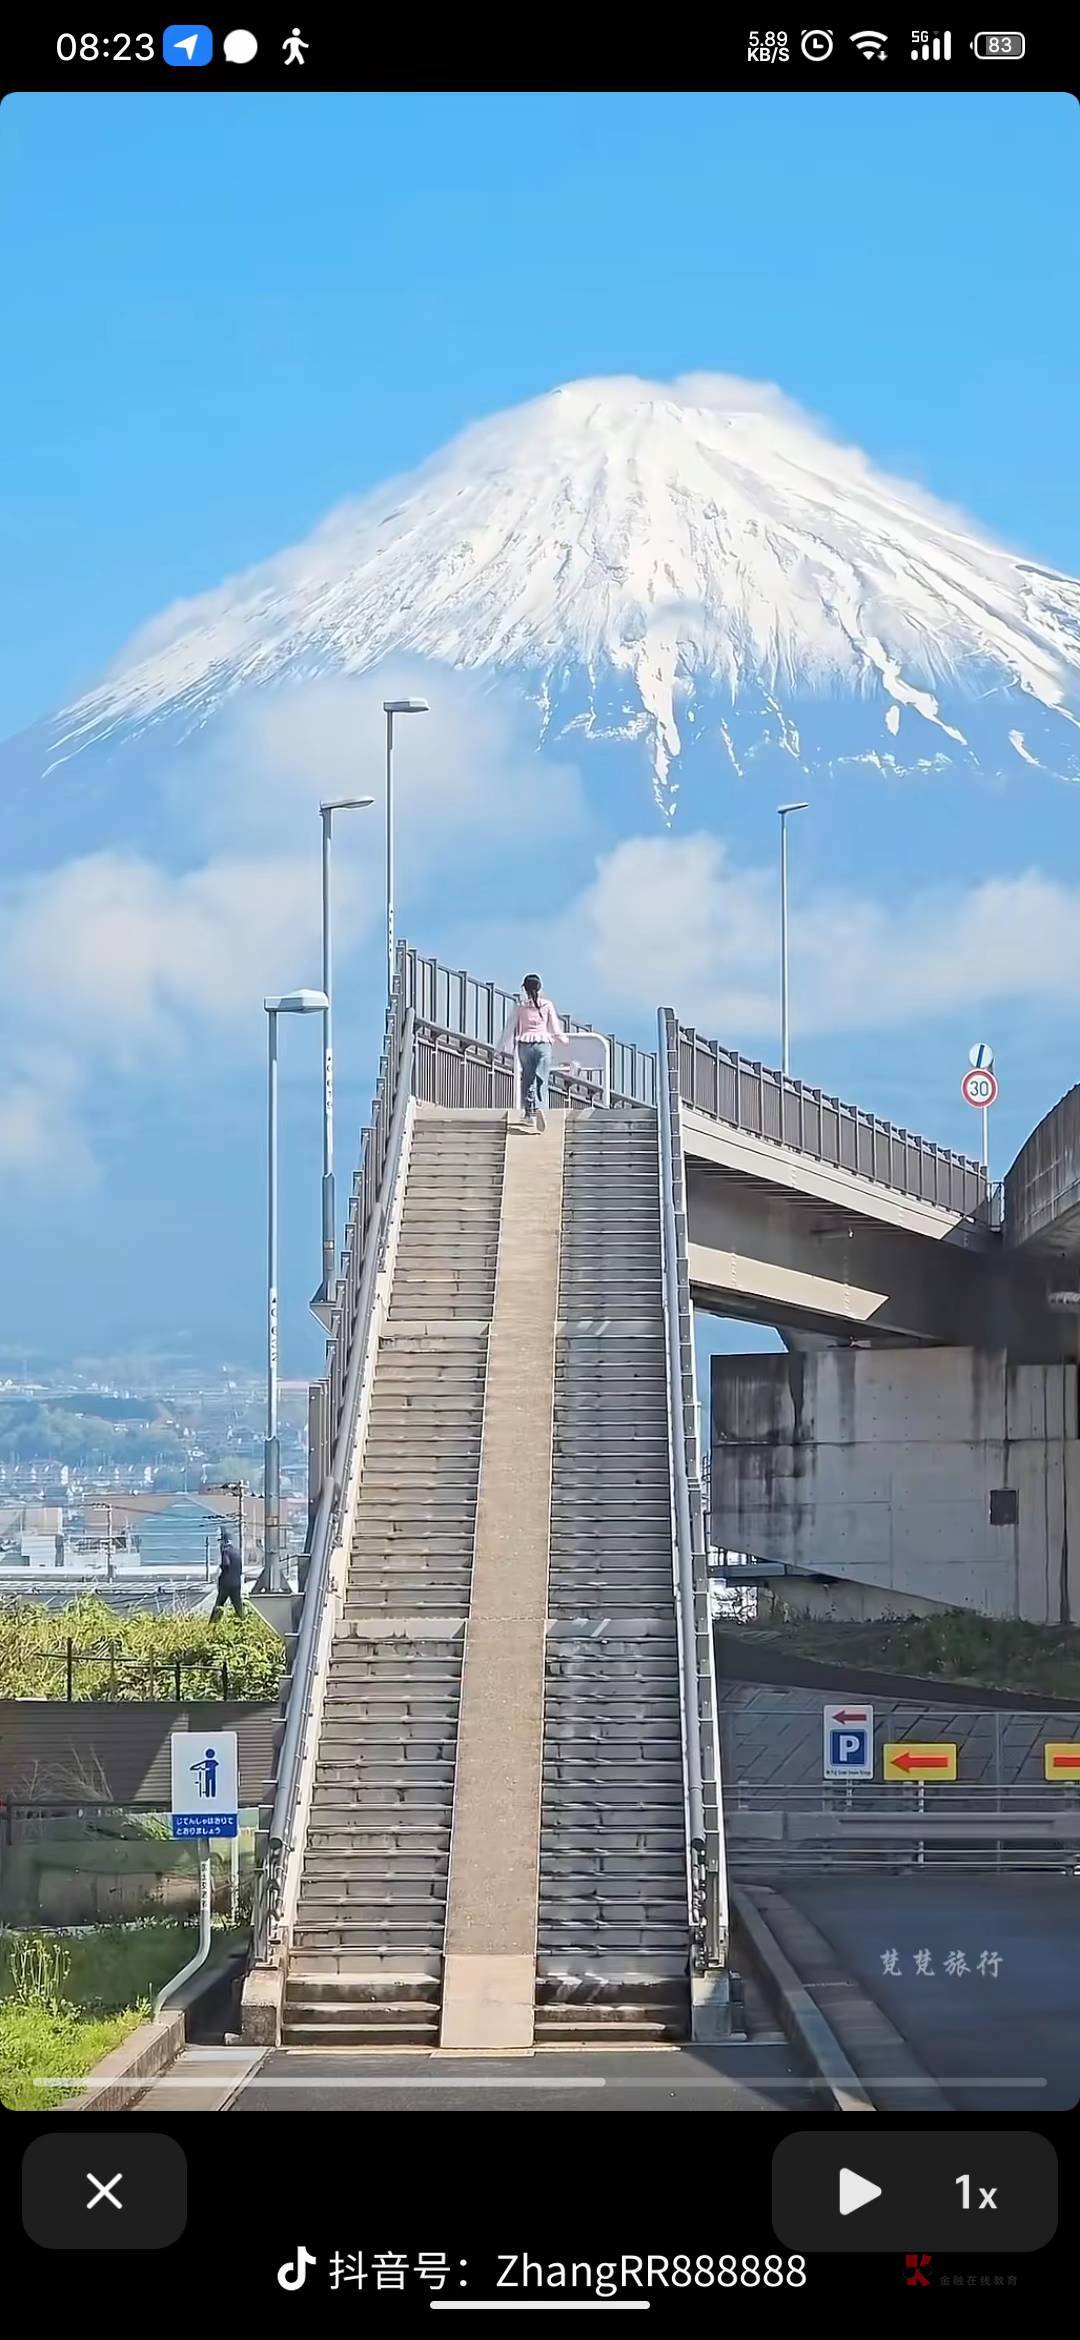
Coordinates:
[848,1750]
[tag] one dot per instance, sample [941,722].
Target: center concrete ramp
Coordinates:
[491,1920]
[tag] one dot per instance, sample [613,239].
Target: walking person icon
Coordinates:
[206,1771]
[293,49]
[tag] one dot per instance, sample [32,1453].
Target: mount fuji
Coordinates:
[687,564]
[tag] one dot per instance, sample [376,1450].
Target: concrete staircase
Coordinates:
[367,1955]
[613,1931]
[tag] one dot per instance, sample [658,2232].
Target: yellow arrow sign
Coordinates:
[1062,1760]
[920,1759]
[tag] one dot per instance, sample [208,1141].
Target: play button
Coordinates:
[855,2192]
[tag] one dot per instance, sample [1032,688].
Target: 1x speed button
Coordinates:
[947,2190]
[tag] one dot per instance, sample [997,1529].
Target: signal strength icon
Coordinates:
[870,44]
[930,48]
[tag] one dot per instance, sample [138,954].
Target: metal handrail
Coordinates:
[317,1583]
[708,1898]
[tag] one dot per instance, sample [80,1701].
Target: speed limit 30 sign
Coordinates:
[979,1088]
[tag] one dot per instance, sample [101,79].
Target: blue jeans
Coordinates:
[534,1059]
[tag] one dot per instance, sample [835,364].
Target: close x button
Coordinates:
[942,2189]
[104,2192]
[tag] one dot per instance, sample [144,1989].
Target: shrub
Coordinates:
[133,1656]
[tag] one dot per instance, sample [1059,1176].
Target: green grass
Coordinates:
[65,2000]
[40,2041]
[999,1653]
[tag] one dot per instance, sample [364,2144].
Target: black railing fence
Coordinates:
[64,1674]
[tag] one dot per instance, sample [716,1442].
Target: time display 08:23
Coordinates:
[121,48]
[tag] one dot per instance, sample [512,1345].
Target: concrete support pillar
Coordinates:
[489,1973]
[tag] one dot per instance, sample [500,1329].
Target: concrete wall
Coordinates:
[879,1465]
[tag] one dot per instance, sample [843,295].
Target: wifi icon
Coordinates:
[870,44]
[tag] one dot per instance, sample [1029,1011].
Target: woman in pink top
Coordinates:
[529,1034]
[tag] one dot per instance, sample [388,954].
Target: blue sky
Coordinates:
[231,312]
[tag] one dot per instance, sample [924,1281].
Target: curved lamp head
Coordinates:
[406,707]
[786,808]
[345,803]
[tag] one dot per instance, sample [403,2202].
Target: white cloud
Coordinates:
[112,962]
[39,1128]
[678,923]
[463,775]
[112,966]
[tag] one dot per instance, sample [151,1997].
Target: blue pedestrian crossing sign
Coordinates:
[204,1783]
[848,1751]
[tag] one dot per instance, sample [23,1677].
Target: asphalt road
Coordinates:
[754,2076]
[1008,2042]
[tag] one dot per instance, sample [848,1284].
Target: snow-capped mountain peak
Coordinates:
[635,554]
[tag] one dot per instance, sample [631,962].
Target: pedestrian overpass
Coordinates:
[498,1817]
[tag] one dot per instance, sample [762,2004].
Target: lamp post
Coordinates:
[329,1223]
[784,810]
[289,1003]
[392,707]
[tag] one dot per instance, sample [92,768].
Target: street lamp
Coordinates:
[392,707]
[289,1003]
[784,810]
[324,1294]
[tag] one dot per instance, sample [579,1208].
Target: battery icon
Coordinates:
[1004,48]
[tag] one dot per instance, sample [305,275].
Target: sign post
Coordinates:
[204,1804]
[848,1740]
[979,1088]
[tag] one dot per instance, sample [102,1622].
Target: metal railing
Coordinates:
[126,1679]
[768,1104]
[459,1023]
[853,1826]
[709,1923]
[373,1189]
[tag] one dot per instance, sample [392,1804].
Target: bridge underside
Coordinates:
[780,1255]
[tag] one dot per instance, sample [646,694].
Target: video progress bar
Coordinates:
[539,2307]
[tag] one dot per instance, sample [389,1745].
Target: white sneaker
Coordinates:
[540,1121]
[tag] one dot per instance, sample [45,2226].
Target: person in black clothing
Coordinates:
[230,1583]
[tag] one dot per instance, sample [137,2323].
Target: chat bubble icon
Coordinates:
[240,48]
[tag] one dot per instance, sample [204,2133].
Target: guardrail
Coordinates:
[373,1190]
[769,1104]
[861,1826]
[709,1917]
[460,1021]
